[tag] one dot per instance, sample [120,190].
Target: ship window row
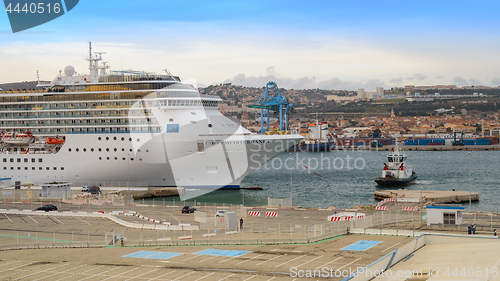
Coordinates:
[80,122]
[107,150]
[131,112]
[76,97]
[137,104]
[110,87]
[116,158]
[204,103]
[26,160]
[103,130]
[34,168]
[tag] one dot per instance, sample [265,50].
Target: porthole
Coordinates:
[12,168]
[147,150]
[33,168]
[107,138]
[69,149]
[129,139]
[62,168]
[123,158]
[100,149]
[114,138]
[116,158]
[77,149]
[25,168]
[100,158]
[55,168]
[123,138]
[19,168]
[92,149]
[210,125]
[107,158]
[131,159]
[99,138]
[84,150]
[115,149]
[107,149]
[140,159]
[138,140]
[47,168]
[123,149]
[25,160]
[40,168]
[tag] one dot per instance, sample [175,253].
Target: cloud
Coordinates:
[396,80]
[417,77]
[495,80]
[439,77]
[475,82]
[460,81]
[304,82]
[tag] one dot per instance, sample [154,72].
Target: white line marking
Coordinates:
[101,273]
[192,257]
[113,276]
[80,273]
[309,261]
[59,272]
[349,263]
[163,275]
[271,279]
[56,219]
[9,263]
[183,276]
[208,259]
[270,259]
[328,263]
[227,277]
[32,218]
[290,260]
[249,278]
[38,272]
[229,259]
[141,274]
[175,218]
[23,270]
[389,247]
[204,276]
[83,220]
[8,218]
[251,258]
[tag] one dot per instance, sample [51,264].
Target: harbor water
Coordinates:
[345,179]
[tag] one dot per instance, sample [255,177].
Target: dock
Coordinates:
[436,196]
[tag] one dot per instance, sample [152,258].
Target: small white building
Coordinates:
[56,190]
[445,214]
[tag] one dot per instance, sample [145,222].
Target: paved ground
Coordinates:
[265,262]
[471,261]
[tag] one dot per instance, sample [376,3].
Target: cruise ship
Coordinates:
[126,129]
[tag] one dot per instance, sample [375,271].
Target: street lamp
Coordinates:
[421,207]
[128,176]
[470,193]
[291,183]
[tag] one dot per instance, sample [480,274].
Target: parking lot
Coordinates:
[258,262]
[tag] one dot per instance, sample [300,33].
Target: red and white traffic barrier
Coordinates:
[271,214]
[411,209]
[381,208]
[253,213]
[346,216]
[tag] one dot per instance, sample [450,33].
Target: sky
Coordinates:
[340,45]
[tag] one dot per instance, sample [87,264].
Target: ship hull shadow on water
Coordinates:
[394,182]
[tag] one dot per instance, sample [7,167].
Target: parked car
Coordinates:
[220,213]
[47,208]
[85,189]
[188,209]
[94,190]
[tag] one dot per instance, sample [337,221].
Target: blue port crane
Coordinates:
[272,100]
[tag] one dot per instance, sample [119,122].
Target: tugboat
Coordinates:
[397,173]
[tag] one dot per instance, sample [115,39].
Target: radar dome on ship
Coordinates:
[69,70]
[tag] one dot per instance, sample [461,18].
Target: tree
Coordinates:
[448,130]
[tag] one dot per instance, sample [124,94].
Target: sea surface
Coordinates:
[345,179]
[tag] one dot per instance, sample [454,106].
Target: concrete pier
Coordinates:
[436,196]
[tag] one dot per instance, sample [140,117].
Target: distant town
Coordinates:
[421,111]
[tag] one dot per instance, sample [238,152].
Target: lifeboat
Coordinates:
[17,138]
[54,141]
